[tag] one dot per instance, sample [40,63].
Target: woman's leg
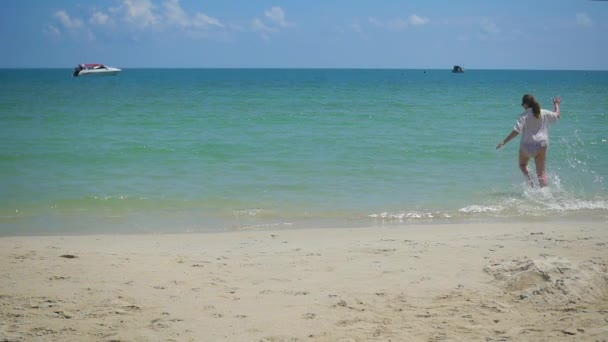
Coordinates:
[540,160]
[523,165]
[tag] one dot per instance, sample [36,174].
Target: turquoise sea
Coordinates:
[182,150]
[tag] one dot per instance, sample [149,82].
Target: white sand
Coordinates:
[475,282]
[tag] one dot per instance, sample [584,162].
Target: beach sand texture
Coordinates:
[535,281]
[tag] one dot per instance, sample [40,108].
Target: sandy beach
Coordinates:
[535,281]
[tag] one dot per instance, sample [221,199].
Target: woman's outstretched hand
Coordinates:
[557,100]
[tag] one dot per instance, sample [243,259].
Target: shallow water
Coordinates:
[174,150]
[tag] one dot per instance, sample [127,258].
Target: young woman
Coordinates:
[534,126]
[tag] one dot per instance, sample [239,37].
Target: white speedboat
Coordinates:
[95,69]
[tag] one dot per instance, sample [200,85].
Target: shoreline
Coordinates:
[458,281]
[91,226]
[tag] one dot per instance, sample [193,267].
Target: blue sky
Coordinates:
[425,34]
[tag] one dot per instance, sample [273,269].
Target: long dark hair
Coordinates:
[531,102]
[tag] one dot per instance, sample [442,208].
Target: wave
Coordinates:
[519,203]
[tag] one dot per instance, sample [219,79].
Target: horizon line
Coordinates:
[308,68]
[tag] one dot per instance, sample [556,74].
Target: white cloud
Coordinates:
[67,22]
[277,16]
[584,20]
[140,12]
[356,27]
[258,26]
[73,26]
[489,27]
[164,15]
[399,24]
[175,15]
[99,18]
[203,20]
[69,25]
[275,21]
[418,20]
[90,35]
[391,25]
[53,31]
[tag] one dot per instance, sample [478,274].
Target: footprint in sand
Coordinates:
[158,323]
[309,316]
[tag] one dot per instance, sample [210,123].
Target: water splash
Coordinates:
[577,158]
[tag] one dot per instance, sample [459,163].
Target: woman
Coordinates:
[534,126]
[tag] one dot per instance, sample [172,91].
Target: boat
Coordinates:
[457,69]
[95,69]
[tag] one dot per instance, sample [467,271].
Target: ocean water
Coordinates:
[182,150]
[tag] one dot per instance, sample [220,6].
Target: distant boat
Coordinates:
[457,69]
[95,69]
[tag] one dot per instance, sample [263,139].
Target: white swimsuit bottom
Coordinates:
[532,148]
